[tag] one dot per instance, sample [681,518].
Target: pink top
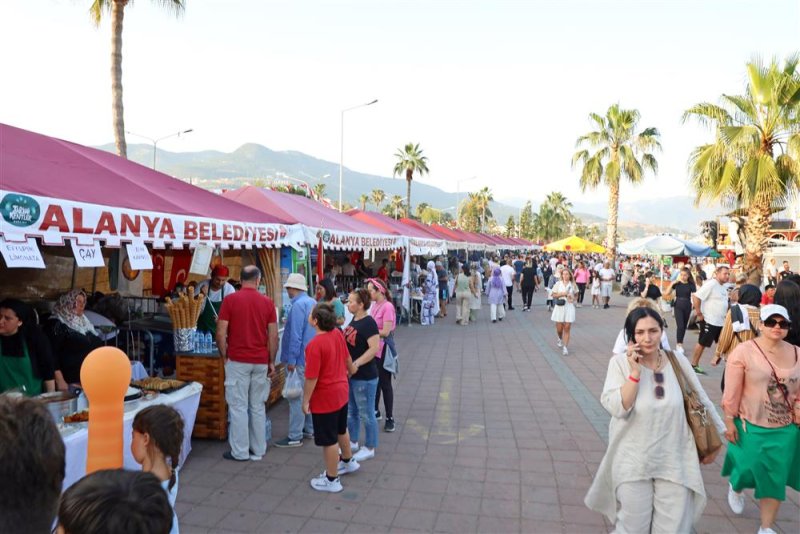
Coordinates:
[383,312]
[581,276]
[751,392]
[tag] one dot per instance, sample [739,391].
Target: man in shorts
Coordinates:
[607,276]
[710,306]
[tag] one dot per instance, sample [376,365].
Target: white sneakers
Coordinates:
[763,530]
[321,483]
[364,454]
[564,351]
[349,467]
[558,343]
[736,502]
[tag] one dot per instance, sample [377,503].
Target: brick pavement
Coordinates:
[497,432]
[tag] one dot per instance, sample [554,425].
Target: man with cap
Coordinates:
[215,289]
[296,335]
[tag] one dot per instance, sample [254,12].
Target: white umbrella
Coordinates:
[664,245]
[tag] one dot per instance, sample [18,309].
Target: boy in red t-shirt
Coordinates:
[325,397]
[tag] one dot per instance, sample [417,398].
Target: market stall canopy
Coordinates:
[664,245]
[466,240]
[337,230]
[420,241]
[574,244]
[56,190]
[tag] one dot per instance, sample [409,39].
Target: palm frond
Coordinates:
[580,157]
[708,115]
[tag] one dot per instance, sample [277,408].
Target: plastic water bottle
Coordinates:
[207,344]
[198,341]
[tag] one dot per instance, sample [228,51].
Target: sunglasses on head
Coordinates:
[772,323]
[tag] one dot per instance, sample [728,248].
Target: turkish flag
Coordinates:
[181,261]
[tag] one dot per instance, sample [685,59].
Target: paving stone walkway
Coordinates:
[497,432]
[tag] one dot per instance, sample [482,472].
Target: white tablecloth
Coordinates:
[185,400]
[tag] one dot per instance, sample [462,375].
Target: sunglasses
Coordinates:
[659,378]
[772,323]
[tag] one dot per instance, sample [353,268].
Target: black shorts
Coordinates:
[709,334]
[329,426]
[442,290]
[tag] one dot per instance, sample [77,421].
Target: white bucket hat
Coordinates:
[296,281]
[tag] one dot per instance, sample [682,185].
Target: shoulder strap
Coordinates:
[775,375]
[678,372]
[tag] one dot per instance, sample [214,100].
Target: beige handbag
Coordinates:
[706,437]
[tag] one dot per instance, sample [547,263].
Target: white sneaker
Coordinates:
[353,447]
[564,351]
[364,454]
[768,530]
[558,343]
[321,483]
[735,501]
[349,467]
[255,458]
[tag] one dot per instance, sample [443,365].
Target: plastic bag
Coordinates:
[293,387]
[390,356]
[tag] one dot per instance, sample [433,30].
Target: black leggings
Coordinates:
[384,385]
[581,292]
[527,296]
[683,308]
[510,290]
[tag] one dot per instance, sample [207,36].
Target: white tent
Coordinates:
[664,245]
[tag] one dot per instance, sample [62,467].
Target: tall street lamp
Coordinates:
[341,147]
[458,201]
[156,141]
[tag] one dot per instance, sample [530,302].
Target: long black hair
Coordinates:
[787,294]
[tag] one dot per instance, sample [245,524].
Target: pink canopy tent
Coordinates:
[57,190]
[421,242]
[337,230]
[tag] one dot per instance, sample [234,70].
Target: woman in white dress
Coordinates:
[649,479]
[564,293]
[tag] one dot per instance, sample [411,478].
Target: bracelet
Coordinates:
[636,380]
[730,417]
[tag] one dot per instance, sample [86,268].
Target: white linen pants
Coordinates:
[497,311]
[656,506]
[246,392]
[463,302]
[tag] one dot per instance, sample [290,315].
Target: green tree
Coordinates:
[754,161]
[116,9]
[430,215]
[409,161]
[396,207]
[362,200]
[511,227]
[421,207]
[470,213]
[526,221]
[554,219]
[319,189]
[378,197]
[620,152]
[484,197]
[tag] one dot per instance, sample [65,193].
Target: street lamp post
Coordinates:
[458,201]
[341,147]
[156,141]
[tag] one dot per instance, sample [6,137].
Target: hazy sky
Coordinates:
[494,89]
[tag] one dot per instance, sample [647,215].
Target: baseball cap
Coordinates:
[774,309]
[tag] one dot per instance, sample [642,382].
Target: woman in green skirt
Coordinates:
[762,386]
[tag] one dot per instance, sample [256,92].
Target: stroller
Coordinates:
[631,289]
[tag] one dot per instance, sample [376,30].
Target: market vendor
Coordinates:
[72,337]
[26,362]
[215,289]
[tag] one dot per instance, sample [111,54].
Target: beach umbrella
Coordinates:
[664,245]
[573,244]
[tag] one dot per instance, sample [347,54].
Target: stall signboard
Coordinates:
[87,255]
[201,260]
[426,247]
[24,254]
[341,240]
[56,220]
[139,256]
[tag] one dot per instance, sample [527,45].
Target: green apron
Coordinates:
[207,322]
[18,372]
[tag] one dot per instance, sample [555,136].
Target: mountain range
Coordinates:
[216,170]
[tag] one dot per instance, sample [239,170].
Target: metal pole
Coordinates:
[154,154]
[341,160]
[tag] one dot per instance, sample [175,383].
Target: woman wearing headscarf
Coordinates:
[26,361]
[430,292]
[72,337]
[762,389]
[741,324]
[496,290]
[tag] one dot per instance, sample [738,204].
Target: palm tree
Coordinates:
[754,161]
[554,219]
[117,10]
[378,196]
[621,152]
[319,189]
[409,161]
[421,207]
[395,207]
[362,200]
[484,197]
[511,227]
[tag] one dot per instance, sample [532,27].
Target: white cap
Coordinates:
[774,309]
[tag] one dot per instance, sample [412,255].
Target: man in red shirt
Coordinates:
[383,272]
[247,337]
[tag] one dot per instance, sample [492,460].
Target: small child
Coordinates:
[114,500]
[158,437]
[326,395]
[595,289]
